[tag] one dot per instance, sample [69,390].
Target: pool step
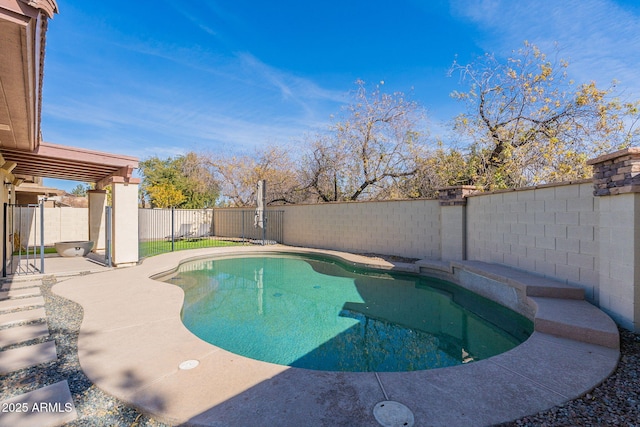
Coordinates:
[531,284]
[560,308]
[48,406]
[427,265]
[577,320]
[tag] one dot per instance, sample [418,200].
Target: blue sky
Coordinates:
[170,76]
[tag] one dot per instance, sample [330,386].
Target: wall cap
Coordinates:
[533,187]
[631,151]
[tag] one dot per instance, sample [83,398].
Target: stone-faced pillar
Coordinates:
[453,220]
[616,179]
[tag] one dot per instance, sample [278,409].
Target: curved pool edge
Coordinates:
[132,341]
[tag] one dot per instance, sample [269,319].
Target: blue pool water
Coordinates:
[320,314]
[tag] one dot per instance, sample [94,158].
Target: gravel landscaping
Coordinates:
[94,407]
[616,402]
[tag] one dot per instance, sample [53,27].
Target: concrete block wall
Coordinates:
[409,228]
[549,230]
[619,238]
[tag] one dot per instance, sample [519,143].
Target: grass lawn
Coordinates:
[35,251]
[162,246]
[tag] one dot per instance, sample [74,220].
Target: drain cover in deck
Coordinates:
[393,414]
[188,364]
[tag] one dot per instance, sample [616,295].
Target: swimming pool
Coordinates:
[319,313]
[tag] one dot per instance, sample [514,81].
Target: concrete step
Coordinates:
[533,285]
[23,333]
[48,406]
[22,292]
[20,284]
[14,303]
[25,357]
[22,316]
[576,320]
[426,265]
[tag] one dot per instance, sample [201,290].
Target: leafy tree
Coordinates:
[444,167]
[164,180]
[529,123]
[199,186]
[80,190]
[370,150]
[165,196]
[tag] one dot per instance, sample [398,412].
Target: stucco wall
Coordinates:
[405,228]
[552,231]
[60,224]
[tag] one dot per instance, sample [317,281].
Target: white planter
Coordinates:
[73,249]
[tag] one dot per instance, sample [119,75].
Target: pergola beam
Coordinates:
[71,163]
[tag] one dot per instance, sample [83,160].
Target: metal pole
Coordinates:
[28,239]
[20,234]
[108,236]
[41,237]
[4,240]
[173,230]
[35,236]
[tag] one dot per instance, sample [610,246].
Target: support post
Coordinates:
[108,217]
[4,239]
[616,180]
[41,207]
[4,199]
[453,220]
[125,220]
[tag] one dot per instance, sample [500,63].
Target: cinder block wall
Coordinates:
[551,230]
[409,228]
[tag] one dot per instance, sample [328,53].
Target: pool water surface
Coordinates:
[317,313]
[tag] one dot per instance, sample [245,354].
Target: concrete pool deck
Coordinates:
[132,342]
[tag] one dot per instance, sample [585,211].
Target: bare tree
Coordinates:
[238,177]
[374,145]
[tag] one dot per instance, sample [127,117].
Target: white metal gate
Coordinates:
[23,245]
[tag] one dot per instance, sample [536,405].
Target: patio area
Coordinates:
[56,266]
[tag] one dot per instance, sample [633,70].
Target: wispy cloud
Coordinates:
[139,126]
[228,103]
[290,86]
[600,38]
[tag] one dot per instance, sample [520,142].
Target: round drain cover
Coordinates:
[188,364]
[393,414]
